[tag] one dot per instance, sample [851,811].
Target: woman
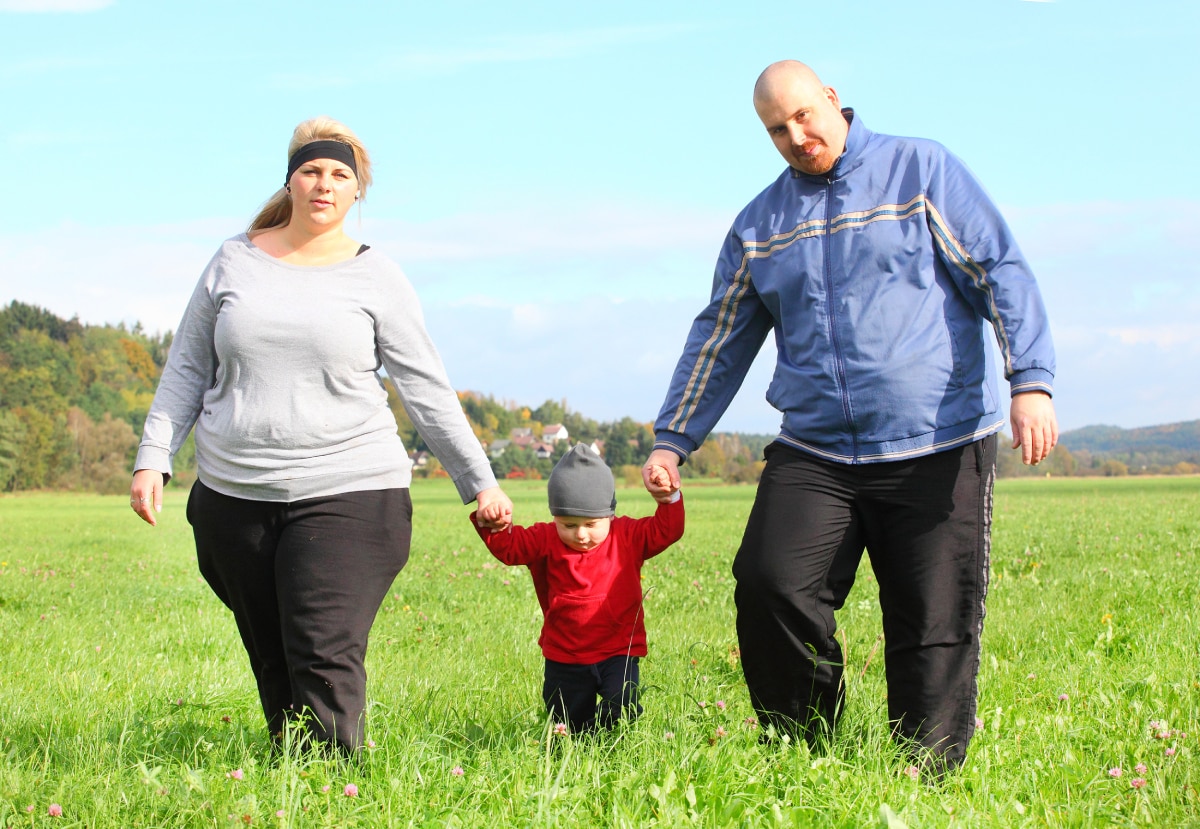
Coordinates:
[301,510]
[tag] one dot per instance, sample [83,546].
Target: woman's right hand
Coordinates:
[145,494]
[494,509]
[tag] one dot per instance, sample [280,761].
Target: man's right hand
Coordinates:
[660,473]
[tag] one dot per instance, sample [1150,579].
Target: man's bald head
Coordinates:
[782,74]
[802,116]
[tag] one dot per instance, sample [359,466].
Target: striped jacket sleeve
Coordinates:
[721,346]
[979,251]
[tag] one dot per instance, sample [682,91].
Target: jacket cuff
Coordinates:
[154,457]
[677,443]
[474,481]
[1031,379]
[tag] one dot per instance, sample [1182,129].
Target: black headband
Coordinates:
[334,150]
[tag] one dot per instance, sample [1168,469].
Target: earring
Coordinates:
[356,196]
[287,188]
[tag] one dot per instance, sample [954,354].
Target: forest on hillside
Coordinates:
[73,398]
[1170,449]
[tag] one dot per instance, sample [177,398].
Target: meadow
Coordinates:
[126,700]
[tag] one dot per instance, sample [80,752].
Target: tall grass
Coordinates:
[126,700]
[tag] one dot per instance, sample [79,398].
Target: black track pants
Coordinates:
[926,525]
[304,581]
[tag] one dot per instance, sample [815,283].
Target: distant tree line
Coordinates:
[1088,463]
[74,397]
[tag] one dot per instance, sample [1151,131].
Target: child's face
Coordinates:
[580,532]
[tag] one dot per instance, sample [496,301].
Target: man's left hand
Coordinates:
[1034,426]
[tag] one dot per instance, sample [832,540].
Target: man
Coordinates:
[879,263]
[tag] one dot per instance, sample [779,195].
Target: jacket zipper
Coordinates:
[839,363]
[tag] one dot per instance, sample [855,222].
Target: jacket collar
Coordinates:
[856,140]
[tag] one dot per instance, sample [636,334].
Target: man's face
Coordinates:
[805,123]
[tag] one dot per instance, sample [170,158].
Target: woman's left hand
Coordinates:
[494,509]
[146,494]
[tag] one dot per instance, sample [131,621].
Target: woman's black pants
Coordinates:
[304,581]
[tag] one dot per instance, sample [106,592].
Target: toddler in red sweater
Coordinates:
[586,566]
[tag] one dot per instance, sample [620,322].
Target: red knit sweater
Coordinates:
[591,601]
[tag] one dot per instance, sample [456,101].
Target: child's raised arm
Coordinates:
[516,544]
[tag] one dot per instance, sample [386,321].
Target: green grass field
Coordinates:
[126,700]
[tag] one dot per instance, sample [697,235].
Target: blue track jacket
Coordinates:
[879,279]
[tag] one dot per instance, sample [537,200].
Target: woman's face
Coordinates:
[322,192]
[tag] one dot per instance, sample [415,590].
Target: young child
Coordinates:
[586,567]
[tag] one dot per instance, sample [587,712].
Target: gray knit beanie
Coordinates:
[582,484]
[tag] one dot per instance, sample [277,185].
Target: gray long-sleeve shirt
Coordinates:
[275,365]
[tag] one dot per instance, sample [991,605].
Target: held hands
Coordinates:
[658,480]
[1034,426]
[494,509]
[145,492]
[661,474]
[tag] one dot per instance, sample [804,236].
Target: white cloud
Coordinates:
[22,72]
[493,50]
[533,321]
[553,231]
[608,359]
[54,5]
[556,252]
[1177,335]
[1119,285]
[517,300]
[109,275]
[532,47]
[130,274]
[45,138]
[315,82]
[1116,265]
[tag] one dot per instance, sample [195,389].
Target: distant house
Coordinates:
[597,446]
[523,438]
[554,433]
[496,447]
[420,459]
[542,450]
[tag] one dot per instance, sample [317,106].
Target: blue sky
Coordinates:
[556,179]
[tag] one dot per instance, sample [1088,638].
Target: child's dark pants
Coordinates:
[570,692]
